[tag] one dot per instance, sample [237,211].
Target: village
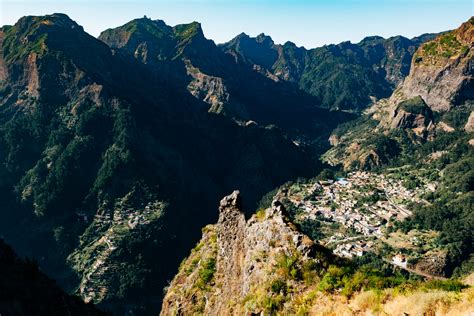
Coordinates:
[363,204]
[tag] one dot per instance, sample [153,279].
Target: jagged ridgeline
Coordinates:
[265,266]
[345,76]
[111,162]
[184,56]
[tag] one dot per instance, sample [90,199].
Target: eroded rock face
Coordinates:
[440,80]
[442,70]
[207,88]
[245,254]
[230,239]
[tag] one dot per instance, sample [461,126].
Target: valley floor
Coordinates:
[355,216]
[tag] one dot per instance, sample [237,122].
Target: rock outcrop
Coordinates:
[441,77]
[247,255]
[230,242]
[442,70]
[469,127]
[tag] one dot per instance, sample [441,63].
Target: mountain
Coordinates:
[110,165]
[184,56]
[423,132]
[435,98]
[345,76]
[27,291]
[264,265]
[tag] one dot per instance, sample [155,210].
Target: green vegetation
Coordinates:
[288,265]
[445,285]
[416,105]
[260,214]
[447,45]
[206,272]
[458,116]
[35,40]
[279,286]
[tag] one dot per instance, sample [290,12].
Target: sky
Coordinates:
[309,23]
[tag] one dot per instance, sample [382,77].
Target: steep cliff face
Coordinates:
[413,114]
[443,69]
[441,78]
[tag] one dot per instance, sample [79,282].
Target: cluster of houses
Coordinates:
[353,249]
[350,202]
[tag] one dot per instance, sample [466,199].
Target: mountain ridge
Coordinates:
[303,66]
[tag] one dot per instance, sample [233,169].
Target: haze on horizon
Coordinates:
[304,22]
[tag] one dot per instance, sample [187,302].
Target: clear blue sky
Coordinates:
[308,23]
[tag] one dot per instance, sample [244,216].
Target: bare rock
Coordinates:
[469,127]
[442,70]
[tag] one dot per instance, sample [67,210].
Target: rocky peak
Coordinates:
[232,202]
[241,35]
[189,31]
[55,19]
[290,44]
[375,39]
[413,114]
[264,39]
[245,254]
[260,51]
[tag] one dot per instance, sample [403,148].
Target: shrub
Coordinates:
[207,271]
[278,286]
[288,265]
[445,285]
[332,279]
[260,214]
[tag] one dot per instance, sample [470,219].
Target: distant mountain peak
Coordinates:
[372,38]
[40,22]
[189,30]
[264,39]
[242,35]
[289,44]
